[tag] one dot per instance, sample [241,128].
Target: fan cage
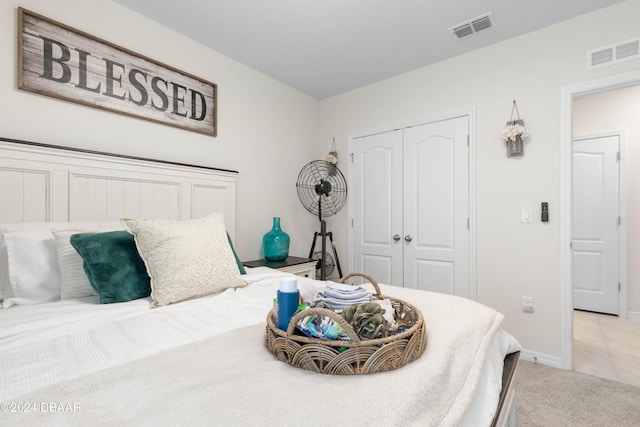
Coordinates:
[313,174]
[329,264]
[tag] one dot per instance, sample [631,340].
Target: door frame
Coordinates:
[566,174]
[471,115]
[622,213]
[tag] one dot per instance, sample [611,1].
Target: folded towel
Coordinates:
[342,287]
[345,296]
[338,305]
[339,296]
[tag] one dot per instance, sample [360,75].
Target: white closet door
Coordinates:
[410,204]
[436,207]
[377,206]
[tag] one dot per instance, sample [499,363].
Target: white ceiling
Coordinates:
[326,47]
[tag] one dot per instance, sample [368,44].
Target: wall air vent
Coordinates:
[473,26]
[613,54]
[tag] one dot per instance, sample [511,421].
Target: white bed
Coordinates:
[204,361]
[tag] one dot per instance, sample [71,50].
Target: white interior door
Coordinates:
[377,206]
[595,241]
[436,207]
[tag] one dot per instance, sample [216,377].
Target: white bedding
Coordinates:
[48,344]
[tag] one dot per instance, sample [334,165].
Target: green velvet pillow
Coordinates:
[240,266]
[113,266]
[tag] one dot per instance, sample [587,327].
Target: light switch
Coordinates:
[526,215]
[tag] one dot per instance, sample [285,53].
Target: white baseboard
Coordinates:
[633,315]
[555,361]
[541,358]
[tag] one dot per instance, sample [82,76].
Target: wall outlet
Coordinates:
[527,304]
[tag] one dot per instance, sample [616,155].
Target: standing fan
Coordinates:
[322,190]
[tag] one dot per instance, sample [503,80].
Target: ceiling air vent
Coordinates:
[602,56]
[629,49]
[613,54]
[473,26]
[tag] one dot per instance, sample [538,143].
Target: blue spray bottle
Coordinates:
[288,301]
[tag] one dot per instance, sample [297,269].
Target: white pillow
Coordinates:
[75,283]
[185,259]
[30,273]
[5,287]
[32,267]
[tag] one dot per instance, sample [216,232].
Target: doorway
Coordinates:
[569,97]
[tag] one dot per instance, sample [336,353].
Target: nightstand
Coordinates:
[304,267]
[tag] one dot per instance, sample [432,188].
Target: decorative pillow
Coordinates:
[32,267]
[75,283]
[5,285]
[113,266]
[235,255]
[30,273]
[185,259]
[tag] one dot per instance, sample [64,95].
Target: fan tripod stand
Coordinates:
[322,189]
[324,234]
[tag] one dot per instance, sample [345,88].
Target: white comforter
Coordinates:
[180,365]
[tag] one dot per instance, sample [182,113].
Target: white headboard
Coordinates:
[39,182]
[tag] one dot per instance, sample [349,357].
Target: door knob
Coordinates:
[396,237]
[408,238]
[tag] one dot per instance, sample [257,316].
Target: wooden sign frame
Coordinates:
[65,63]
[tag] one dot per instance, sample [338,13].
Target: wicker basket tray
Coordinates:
[352,357]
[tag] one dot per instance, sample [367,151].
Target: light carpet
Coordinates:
[553,397]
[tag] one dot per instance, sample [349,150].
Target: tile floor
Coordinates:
[606,346]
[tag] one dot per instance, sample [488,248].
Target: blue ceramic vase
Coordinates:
[276,242]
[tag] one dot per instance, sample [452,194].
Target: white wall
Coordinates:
[513,259]
[266,129]
[612,111]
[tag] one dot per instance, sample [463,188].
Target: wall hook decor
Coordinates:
[515,133]
[332,157]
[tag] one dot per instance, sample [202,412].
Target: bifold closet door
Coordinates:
[436,207]
[410,204]
[377,206]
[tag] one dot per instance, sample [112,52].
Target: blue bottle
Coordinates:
[288,301]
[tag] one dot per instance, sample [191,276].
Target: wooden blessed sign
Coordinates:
[65,63]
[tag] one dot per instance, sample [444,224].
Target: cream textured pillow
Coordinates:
[185,259]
